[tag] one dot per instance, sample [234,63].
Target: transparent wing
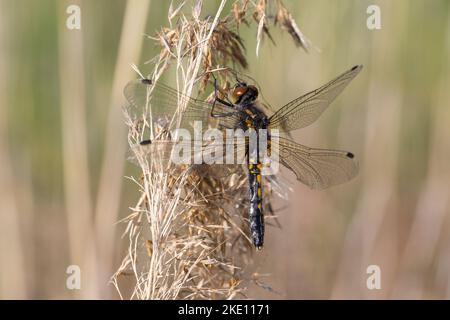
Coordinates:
[159,101]
[317,168]
[304,110]
[191,153]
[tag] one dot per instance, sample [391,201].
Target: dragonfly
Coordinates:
[314,167]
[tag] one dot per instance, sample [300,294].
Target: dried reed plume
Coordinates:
[188,233]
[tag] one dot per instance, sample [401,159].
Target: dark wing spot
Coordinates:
[145,142]
[350,155]
[146,81]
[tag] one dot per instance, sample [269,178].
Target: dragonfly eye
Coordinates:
[237,94]
[240,90]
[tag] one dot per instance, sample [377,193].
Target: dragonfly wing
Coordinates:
[159,101]
[317,168]
[304,110]
[204,155]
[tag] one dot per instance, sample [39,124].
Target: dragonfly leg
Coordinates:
[225,103]
[221,115]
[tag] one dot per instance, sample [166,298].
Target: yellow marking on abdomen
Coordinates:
[249,112]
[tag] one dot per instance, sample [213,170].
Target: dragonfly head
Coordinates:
[243,94]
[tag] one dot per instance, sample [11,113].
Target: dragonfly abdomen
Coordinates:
[256,216]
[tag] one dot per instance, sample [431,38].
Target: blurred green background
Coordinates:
[63,144]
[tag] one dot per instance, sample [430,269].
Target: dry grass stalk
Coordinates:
[188,233]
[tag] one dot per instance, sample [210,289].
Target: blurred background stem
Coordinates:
[12,262]
[112,168]
[77,185]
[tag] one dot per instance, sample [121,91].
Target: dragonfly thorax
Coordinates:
[252,117]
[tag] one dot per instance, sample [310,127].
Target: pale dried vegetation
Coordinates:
[188,233]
